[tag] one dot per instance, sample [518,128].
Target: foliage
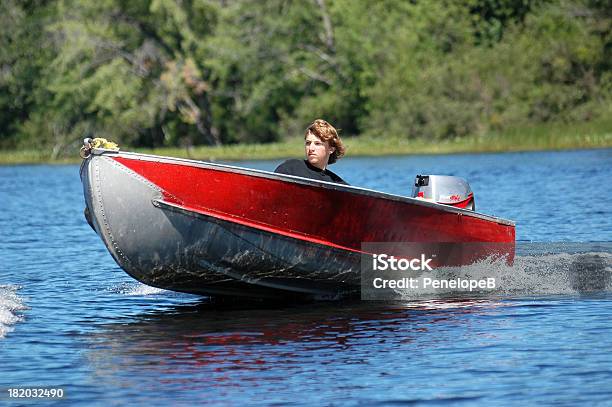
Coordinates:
[159,73]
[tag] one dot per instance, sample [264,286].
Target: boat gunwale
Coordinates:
[302,181]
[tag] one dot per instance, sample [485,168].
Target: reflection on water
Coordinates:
[230,345]
[436,350]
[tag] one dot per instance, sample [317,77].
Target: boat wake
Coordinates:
[560,273]
[543,269]
[10,306]
[538,269]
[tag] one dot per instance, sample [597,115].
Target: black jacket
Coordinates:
[302,168]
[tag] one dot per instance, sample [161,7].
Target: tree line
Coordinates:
[191,72]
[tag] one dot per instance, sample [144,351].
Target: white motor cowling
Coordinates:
[444,189]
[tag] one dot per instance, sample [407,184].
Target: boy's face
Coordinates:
[317,151]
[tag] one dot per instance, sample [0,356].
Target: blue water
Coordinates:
[70,318]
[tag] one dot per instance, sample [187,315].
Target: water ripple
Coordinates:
[72,318]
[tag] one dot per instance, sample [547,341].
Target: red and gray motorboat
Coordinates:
[220,230]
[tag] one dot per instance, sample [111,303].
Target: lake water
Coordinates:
[71,319]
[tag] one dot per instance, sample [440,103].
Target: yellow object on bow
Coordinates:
[99,142]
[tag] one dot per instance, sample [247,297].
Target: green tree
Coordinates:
[156,72]
[132,71]
[24,53]
[437,81]
[276,66]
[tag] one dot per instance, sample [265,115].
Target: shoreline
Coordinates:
[544,138]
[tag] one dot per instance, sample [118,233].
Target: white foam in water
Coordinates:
[10,305]
[438,304]
[138,289]
[546,274]
[143,289]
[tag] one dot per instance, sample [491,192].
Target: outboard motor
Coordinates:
[444,189]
